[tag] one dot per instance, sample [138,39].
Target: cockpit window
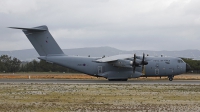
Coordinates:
[180,61]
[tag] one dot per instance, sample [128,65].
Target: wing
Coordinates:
[115,58]
[125,60]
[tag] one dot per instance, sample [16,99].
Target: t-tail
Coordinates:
[42,40]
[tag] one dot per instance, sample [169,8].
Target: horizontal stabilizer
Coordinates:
[31,29]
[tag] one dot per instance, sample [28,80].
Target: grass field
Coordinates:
[99,97]
[37,97]
[48,75]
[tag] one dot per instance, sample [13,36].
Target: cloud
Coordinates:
[127,24]
[17,7]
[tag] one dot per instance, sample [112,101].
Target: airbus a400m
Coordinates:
[118,67]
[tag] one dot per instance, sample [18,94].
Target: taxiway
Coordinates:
[68,81]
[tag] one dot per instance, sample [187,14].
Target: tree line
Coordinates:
[8,64]
[194,64]
[11,65]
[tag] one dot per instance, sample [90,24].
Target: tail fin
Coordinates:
[41,40]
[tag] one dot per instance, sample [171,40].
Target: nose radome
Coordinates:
[188,68]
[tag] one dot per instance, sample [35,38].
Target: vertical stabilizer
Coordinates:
[41,40]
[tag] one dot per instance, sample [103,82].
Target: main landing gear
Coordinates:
[117,79]
[171,77]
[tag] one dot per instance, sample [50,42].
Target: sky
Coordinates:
[122,24]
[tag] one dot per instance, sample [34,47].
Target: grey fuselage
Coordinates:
[157,66]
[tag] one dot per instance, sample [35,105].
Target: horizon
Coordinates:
[103,47]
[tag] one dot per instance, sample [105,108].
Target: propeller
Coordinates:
[134,64]
[143,63]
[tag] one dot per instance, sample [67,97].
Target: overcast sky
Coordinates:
[122,24]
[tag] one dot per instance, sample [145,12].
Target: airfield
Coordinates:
[72,81]
[76,78]
[97,94]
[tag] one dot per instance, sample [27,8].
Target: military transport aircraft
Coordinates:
[114,68]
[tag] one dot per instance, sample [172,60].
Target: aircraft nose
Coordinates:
[188,68]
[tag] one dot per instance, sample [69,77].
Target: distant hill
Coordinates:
[30,54]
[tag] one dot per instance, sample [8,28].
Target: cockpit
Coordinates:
[180,61]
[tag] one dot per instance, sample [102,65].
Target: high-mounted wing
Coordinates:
[115,58]
[125,60]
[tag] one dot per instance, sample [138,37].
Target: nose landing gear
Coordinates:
[171,77]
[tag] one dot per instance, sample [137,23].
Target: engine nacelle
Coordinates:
[128,63]
[122,63]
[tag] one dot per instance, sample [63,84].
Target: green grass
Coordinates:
[101,97]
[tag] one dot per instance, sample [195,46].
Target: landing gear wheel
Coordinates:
[117,79]
[124,79]
[110,79]
[170,78]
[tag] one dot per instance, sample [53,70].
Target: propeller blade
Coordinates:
[133,69]
[143,57]
[143,63]
[134,62]
[143,70]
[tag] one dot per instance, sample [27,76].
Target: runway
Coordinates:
[68,81]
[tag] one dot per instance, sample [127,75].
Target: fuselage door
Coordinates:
[100,69]
[179,69]
[157,69]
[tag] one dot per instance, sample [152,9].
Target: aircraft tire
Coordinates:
[124,79]
[117,79]
[170,78]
